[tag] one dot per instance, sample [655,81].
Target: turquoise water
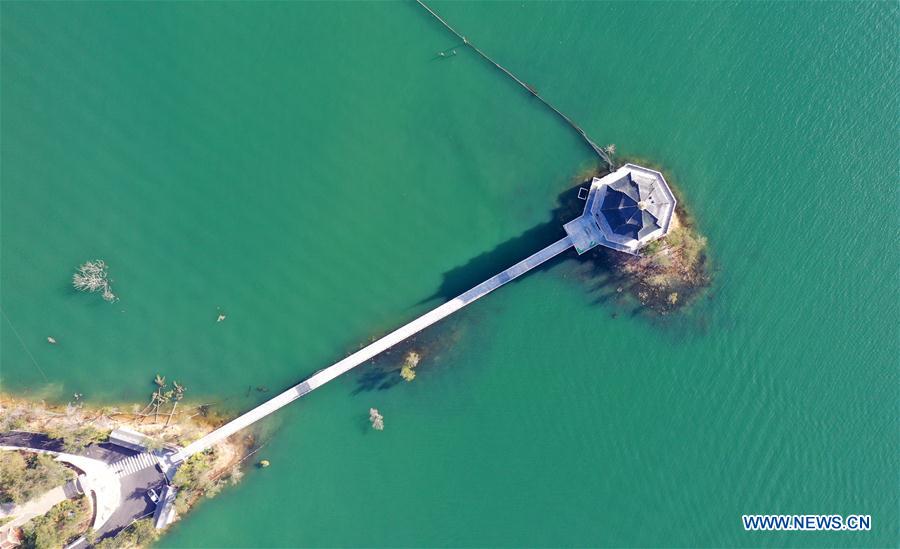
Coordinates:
[313,170]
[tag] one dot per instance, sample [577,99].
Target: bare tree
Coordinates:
[177,395]
[377,419]
[161,398]
[92,277]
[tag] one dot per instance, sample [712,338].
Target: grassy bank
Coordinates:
[63,524]
[24,476]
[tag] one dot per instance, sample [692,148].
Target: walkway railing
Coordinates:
[324,376]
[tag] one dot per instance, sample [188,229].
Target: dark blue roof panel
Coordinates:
[623,215]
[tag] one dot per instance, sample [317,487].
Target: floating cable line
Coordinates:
[22,341]
[601,152]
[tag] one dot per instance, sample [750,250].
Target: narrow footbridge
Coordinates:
[324,376]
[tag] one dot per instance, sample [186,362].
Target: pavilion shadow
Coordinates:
[593,269]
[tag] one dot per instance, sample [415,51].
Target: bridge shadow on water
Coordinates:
[594,267]
[594,271]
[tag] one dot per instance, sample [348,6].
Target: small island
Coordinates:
[670,273]
[633,225]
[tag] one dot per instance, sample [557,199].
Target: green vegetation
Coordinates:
[75,439]
[194,479]
[408,371]
[140,533]
[14,422]
[688,244]
[58,526]
[153,444]
[26,476]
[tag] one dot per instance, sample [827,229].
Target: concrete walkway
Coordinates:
[324,376]
[97,478]
[34,508]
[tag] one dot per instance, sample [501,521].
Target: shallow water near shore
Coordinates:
[312,171]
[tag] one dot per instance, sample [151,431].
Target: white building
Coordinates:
[164,514]
[128,438]
[624,211]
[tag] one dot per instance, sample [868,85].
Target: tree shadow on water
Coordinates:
[432,344]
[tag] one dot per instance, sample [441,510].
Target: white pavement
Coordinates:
[324,376]
[97,477]
[133,464]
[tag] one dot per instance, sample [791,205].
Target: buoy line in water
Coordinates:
[601,152]
[25,347]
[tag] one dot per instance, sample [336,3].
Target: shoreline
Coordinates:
[76,426]
[669,274]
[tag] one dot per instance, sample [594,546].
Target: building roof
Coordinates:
[626,209]
[164,513]
[625,212]
[130,439]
